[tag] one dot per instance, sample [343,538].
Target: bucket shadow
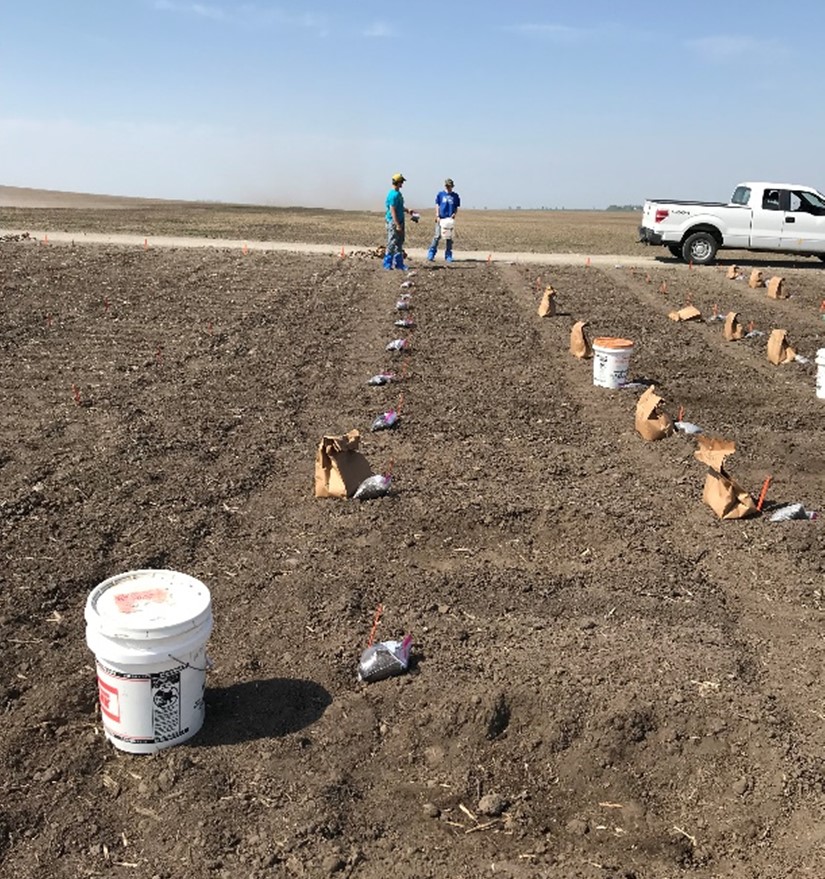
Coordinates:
[260,710]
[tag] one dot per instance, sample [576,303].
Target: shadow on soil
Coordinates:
[260,710]
[756,262]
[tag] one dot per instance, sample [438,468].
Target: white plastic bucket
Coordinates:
[820,373]
[611,361]
[148,631]
[447,227]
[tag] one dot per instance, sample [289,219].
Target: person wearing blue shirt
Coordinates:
[447,203]
[394,254]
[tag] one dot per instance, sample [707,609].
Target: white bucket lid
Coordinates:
[148,604]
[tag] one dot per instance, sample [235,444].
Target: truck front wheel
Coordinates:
[700,248]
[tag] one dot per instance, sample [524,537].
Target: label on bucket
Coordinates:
[146,711]
[611,364]
[129,602]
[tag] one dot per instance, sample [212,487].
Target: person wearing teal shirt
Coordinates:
[394,254]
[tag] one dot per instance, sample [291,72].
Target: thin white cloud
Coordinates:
[248,13]
[379,29]
[216,13]
[557,33]
[729,47]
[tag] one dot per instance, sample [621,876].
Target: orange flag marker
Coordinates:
[489,258]
[378,611]
[763,494]
[145,243]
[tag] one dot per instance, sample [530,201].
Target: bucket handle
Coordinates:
[208,666]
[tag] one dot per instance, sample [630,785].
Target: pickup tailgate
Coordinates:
[648,214]
[654,213]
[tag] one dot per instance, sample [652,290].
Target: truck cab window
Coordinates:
[741,195]
[807,203]
[770,200]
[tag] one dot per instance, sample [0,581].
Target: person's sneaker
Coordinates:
[448,258]
[430,255]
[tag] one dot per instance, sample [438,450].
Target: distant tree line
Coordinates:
[624,207]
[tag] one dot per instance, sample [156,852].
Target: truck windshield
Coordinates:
[741,195]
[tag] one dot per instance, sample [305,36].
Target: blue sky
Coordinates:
[318,103]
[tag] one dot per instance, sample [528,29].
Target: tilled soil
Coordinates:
[607,681]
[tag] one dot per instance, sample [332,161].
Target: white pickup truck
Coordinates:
[777,217]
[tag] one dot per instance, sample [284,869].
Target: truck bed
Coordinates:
[710,204]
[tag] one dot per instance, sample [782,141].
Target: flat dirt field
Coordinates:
[538,231]
[607,681]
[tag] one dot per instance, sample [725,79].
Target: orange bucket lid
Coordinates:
[612,342]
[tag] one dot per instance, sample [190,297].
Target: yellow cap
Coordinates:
[398,178]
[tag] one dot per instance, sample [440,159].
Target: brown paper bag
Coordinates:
[652,424]
[733,328]
[689,312]
[779,351]
[547,306]
[339,467]
[733,272]
[721,492]
[579,343]
[756,279]
[776,288]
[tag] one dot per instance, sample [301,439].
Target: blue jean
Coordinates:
[395,239]
[448,242]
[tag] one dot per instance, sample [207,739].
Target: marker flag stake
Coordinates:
[763,494]
[378,611]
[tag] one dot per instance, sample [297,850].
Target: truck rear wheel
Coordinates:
[821,256]
[676,250]
[700,248]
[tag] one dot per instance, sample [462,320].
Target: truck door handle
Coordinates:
[790,219]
